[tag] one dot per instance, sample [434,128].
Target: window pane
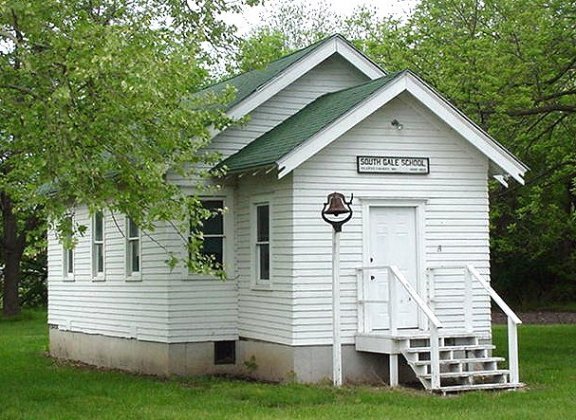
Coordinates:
[135,256]
[262,222]
[215,224]
[70,260]
[214,246]
[264,261]
[99,258]
[133,231]
[98,227]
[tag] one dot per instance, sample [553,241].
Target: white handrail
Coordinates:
[494,295]
[434,321]
[513,322]
[412,292]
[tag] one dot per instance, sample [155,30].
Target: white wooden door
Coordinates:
[392,242]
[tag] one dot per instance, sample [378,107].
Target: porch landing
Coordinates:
[388,343]
[462,360]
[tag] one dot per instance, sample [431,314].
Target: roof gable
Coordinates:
[304,134]
[295,130]
[257,86]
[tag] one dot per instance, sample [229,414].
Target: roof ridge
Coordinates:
[300,50]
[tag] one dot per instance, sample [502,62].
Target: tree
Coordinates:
[512,69]
[96,106]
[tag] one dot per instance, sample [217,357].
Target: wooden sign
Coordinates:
[392,165]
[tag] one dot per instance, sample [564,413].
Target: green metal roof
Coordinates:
[247,83]
[291,133]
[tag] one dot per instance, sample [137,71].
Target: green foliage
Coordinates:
[96,108]
[35,386]
[512,69]
[260,49]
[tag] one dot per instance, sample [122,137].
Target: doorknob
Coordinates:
[372,277]
[371,259]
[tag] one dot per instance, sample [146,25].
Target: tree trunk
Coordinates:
[12,249]
[10,300]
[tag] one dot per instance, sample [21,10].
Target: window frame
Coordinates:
[257,282]
[227,239]
[130,274]
[68,253]
[98,275]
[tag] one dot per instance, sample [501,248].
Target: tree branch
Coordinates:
[20,89]
[543,109]
[556,95]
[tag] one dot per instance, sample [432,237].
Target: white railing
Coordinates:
[513,320]
[434,323]
[471,274]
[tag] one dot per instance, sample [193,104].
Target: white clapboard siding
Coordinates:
[265,314]
[184,307]
[112,306]
[456,216]
[329,76]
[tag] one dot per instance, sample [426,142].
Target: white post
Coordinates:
[393,370]
[336,346]
[513,351]
[434,357]
[431,292]
[360,300]
[468,303]
[392,302]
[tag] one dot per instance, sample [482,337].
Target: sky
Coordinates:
[398,8]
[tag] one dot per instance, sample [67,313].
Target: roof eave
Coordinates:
[332,45]
[407,81]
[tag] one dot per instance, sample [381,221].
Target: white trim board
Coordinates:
[408,82]
[335,45]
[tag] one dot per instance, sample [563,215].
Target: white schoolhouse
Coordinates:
[414,258]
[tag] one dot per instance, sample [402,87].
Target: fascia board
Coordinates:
[302,67]
[283,80]
[358,60]
[330,133]
[467,129]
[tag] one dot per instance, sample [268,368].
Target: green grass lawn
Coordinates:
[34,386]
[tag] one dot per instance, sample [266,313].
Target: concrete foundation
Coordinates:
[256,359]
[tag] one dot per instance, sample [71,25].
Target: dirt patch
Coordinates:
[538,317]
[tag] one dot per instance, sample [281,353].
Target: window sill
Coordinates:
[68,279]
[134,278]
[98,279]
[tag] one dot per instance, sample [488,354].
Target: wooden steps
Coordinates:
[465,364]
[476,360]
[479,387]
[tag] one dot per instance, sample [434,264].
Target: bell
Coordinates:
[336,204]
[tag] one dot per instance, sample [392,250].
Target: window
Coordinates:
[263,244]
[98,245]
[68,254]
[212,230]
[68,263]
[133,247]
